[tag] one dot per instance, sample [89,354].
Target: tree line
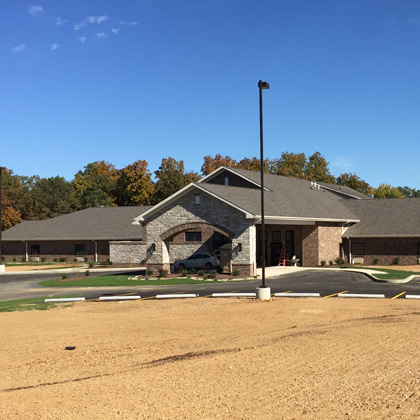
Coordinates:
[101,184]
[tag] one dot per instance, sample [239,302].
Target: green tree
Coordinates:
[52,197]
[353,181]
[386,191]
[96,185]
[171,177]
[134,185]
[409,192]
[289,164]
[317,169]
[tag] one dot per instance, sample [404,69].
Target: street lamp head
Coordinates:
[263,85]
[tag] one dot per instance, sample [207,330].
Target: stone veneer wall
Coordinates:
[209,210]
[128,252]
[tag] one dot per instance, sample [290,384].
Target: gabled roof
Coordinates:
[289,199]
[97,223]
[386,217]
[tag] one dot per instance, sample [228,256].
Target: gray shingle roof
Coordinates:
[385,217]
[99,223]
[287,197]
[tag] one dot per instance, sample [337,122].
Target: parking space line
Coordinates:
[335,294]
[397,296]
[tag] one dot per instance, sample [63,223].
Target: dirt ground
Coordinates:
[213,359]
[36,267]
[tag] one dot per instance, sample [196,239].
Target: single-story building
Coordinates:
[315,222]
[80,236]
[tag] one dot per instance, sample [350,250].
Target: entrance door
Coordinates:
[275,252]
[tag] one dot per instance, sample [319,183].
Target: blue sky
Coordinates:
[122,80]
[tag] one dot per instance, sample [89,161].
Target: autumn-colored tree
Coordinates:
[134,185]
[96,185]
[212,163]
[10,216]
[317,169]
[353,181]
[171,177]
[386,191]
[289,164]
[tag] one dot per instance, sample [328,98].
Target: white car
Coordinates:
[197,261]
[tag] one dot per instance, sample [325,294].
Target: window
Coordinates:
[35,249]
[358,248]
[79,249]
[418,248]
[192,236]
[197,199]
[276,236]
[226,181]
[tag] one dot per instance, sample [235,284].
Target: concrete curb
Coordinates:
[412,296]
[254,295]
[180,296]
[120,297]
[78,299]
[297,295]
[361,295]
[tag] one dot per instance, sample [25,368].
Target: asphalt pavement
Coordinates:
[328,283]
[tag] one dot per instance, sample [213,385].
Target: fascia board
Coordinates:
[411,235]
[71,239]
[306,219]
[231,170]
[340,192]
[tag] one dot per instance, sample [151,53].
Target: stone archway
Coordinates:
[170,233]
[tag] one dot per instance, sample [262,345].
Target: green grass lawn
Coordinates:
[394,274]
[104,281]
[32,304]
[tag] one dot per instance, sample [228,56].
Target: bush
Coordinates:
[63,259]
[90,264]
[212,275]
[340,261]
[323,263]
[87,273]
[163,273]
[14,259]
[184,273]
[149,272]
[109,262]
[193,270]
[236,273]
[396,260]
[23,259]
[63,276]
[375,261]
[55,259]
[42,259]
[200,273]
[331,262]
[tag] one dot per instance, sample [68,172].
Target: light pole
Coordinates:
[1,220]
[263,292]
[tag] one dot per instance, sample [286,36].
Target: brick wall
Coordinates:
[385,250]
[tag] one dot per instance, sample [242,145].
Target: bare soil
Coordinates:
[213,359]
[37,267]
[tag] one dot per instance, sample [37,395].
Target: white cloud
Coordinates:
[34,10]
[341,163]
[59,21]
[18,48]
[101,35]
[132,23]
[82,39]
[115,31]
[89,21]
[54,47]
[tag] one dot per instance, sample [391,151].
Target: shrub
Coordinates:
[55,259]
[42,259]
[63,259]
[63,276]
[200,273]
[87,273]
[331,262]
[323,263]
[14,259]
[375,261]
[340,261]
[91,264]
[396,260]
[163,273]
[236,273]
[149,272]
[23,259]
[212,275]
[109,262]
[184,273]
[193,270]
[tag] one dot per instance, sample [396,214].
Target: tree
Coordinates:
[211,164]
[10,216]
[290,164]
[353,181]
[317,169]
[386,191]
[409,192]
[171,177]
[53,197]
[134,185]
[96,185]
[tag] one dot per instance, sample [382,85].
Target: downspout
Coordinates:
[349,249]
[96,250]
[26,250]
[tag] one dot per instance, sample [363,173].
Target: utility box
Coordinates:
[226,258]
